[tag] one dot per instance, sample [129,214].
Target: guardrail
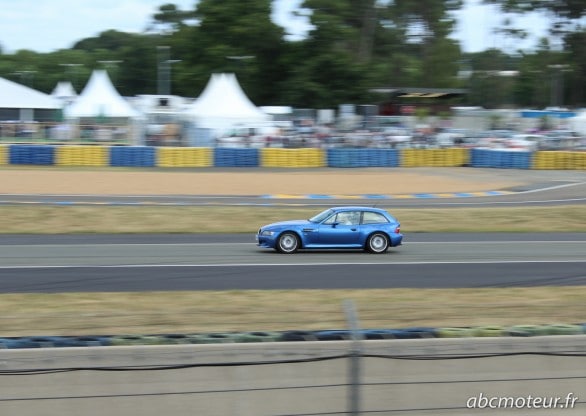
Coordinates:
[147,156]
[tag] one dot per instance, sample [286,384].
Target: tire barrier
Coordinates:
[563,329]
[182,157]
[484,158]
[23,154]
[559,160]
[17,342]
[333,335]
[489,331]
[526,330]
[82,156]
[455,332]
[136,340]
[434,157]
[362,158]
[3,154]
[257,336]
[416,332]
[297,335]
[132,156]
[235,158]
[145,156]
[215,338]
[292,158]
[556,329]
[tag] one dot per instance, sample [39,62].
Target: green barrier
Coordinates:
[455,332]
[526,330]
[563,329]
[488,331]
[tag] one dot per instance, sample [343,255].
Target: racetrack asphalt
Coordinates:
[119,263]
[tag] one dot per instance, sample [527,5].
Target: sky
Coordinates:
[49,25]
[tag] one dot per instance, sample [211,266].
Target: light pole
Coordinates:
[164,70]
[557,84]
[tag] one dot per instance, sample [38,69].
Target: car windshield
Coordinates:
[321,216]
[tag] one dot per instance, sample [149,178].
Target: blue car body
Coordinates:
[352,227]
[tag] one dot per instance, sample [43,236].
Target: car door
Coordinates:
[340,230]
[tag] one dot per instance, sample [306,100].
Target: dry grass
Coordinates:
[127,219]
[222,311]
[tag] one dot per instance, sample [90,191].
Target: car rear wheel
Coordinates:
[377,243]
[288,243]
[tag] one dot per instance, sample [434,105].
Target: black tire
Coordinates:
[288,243]
[377,243]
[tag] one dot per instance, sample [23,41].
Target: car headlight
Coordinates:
[267,233]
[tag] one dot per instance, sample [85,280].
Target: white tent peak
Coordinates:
[64,90]
[15,95]
[99,98]
[224,105]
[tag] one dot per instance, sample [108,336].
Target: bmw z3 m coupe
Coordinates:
[370,229]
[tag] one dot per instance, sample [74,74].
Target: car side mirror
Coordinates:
[334,224]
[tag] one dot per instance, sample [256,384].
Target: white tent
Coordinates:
[223,105]
[99,98]
[578,123]
[14,95]
[64,91]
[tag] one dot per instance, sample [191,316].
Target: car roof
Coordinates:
[358,208]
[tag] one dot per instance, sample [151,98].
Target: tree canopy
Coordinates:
[353,46]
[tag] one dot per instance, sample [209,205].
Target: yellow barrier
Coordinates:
[292,158]
[434,157]
[3,154]
[182,157]
[557,160]
[82,155]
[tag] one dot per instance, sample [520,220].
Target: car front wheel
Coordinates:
[288,243]
[377,243]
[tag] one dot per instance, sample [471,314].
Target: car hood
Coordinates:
[282,224]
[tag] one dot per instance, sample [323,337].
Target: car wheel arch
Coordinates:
[367,239]
[295,233]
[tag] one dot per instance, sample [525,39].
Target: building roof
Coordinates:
[15,95]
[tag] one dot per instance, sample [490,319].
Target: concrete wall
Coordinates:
[388,386]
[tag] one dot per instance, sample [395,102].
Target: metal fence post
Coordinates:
[355,357]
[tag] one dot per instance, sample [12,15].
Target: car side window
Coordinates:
[373,218]
[349,218]
[330,220]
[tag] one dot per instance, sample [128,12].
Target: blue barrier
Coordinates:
[362,158]
[486,158]
[132,156]
[20,154]
[230,158]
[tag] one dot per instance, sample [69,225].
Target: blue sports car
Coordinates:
[371,229]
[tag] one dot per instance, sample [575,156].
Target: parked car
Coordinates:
[347,227]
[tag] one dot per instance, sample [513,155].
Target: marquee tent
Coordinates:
[64,92]
[223,105]
[100,99]
[19,102]
[578,123]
